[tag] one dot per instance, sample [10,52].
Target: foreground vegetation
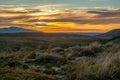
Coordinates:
[36,59]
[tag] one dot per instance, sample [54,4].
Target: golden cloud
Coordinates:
[61,20]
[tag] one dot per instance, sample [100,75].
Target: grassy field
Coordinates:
[36,56]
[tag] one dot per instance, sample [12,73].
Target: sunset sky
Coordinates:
[61,15]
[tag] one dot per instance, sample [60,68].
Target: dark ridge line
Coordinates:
[114,38]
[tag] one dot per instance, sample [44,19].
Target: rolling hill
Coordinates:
[111,34]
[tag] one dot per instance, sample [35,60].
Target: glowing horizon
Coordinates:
[61,15]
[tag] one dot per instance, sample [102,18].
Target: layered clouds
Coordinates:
[49,18]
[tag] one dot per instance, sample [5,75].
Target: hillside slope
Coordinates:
[111,34]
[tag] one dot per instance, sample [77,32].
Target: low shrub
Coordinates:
[57,49]
[95,47]
[73,49]
[12,74]
[87,52]
[49,58]
[31,56]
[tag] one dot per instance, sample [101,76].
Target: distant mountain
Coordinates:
[13,29]
[90,33]
[85,33]
[111,34]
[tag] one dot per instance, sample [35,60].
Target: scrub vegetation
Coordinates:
[63,58]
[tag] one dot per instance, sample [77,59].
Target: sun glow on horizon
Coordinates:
[74,20]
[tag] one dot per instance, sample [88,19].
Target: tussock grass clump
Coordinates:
[49,58]
[87,52]
[16,74]
[104,67]
[16,64]
[95,47]
[92,49]
[31,55]
[57,49]
[109,44]
[73,49]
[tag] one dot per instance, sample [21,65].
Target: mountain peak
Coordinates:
[14,29]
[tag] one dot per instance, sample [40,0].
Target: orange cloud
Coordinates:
[9,15]
[77,20]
